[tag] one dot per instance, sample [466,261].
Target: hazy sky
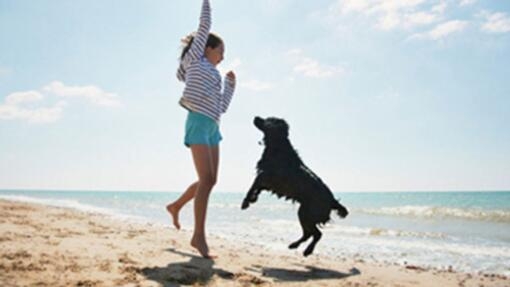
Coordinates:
[379,94]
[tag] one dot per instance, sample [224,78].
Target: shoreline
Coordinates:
[55,246]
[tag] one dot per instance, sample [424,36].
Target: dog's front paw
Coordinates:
[245,204]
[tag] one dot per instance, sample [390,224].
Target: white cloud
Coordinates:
[392,14]
[311,68]
[253,85]
[442,30]
[447,28]
[440,7]
[29,105]
[467,2]
[13,108]
[256,85]
[411,15]
[389,21]
[348,6]
[496,23]
[35,116]
[23,97]
[420,18]
[92,93]
[392,6]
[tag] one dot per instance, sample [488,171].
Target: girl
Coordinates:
[205,102]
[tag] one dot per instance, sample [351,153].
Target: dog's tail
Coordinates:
[340,209]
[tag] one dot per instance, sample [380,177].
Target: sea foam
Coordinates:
[441,212]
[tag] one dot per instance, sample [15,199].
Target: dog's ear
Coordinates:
[282,127]
[285,127]
[284,130]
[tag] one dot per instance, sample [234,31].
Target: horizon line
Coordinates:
[231,191]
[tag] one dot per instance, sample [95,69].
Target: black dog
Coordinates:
[281,171]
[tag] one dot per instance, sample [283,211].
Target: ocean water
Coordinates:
[469,231]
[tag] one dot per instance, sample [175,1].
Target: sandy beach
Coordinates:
[50,246]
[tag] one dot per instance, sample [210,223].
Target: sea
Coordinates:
[463,231]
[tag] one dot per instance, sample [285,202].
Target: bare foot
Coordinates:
[175,215]
[202,247]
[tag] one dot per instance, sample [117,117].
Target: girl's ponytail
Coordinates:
[213,41]
[186,44]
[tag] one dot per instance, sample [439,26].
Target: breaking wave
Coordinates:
[433,212]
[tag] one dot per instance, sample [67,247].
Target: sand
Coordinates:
[50,246]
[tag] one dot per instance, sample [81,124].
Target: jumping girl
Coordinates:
[205,101]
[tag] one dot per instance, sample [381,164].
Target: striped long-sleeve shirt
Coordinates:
[203,88]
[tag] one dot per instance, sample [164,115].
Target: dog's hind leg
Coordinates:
[308,223]
[316,237]
[306,230]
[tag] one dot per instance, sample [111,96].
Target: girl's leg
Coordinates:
[216,160]
[206,160]
[175,207]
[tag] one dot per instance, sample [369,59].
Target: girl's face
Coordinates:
[215,55]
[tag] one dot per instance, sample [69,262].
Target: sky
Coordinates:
[380,95]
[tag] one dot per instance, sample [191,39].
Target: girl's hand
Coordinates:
[231,76]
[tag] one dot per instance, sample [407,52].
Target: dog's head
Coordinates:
[274,129]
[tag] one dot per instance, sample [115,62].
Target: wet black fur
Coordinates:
[281,171]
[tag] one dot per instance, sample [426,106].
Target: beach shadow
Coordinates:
[311,273]
[197,270]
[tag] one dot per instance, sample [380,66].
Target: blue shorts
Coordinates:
[201,129]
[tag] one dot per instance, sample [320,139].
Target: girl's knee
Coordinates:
[207,181]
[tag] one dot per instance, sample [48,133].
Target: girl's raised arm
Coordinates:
[200,39]
[197,48]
